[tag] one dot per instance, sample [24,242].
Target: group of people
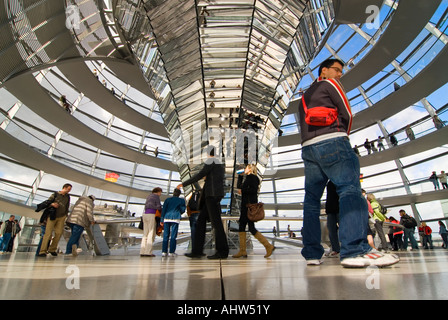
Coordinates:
[375,225]
[203,206]
[370,145]
[399,236]
[157,216]
[56,215]
[425,232]
[435,178]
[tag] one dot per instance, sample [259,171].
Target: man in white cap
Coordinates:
[80,218]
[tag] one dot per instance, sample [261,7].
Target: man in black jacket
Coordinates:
[409,224]
[213,191]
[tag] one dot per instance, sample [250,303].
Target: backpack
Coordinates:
[409,222]
[381,214]
[383,209]
[193,203]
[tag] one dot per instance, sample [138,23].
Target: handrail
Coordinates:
[36,99]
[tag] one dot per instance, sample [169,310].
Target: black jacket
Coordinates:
[249,188]
[326,93]
[214,179]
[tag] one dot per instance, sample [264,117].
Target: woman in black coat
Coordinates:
[248,184]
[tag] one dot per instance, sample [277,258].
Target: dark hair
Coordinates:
[328,63]
[156,190]
[67,185]
[176,192]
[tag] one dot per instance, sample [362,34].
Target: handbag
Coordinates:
[159,229]
[319,116]
[255,211]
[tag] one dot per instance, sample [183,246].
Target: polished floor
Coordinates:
[124,275]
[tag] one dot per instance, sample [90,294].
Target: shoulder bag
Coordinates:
[255,211]
[319,116]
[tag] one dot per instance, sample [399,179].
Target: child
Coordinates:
[172,210]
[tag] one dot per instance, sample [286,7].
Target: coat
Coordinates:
[377,215]
[153,202]
[82,213]
[327,93]
[172,209]
[249,188]
[214,179]
[63,201]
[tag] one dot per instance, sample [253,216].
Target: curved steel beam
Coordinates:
[35,98]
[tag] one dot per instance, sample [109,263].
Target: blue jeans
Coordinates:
[334,159]
[77,231]
[5,241]
[42,232]
[169,232]
[409,234]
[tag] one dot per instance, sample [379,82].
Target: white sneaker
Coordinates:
[164,254]
[371,258]
[172,254]
[313,262]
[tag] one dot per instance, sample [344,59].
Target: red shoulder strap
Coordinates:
[304,104]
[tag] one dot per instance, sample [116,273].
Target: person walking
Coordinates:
[368,146]
[380,144]
[13,236]
[397,235]
[60,201]
[328,155]
[409,224]
[152,204]
[443,179]
[379,219]
[79,219]
[444,234]
[8,231]
[213,192]
[248,185]
[426,233]
[435,180]
[172,210]
[370,224]
[393,140]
